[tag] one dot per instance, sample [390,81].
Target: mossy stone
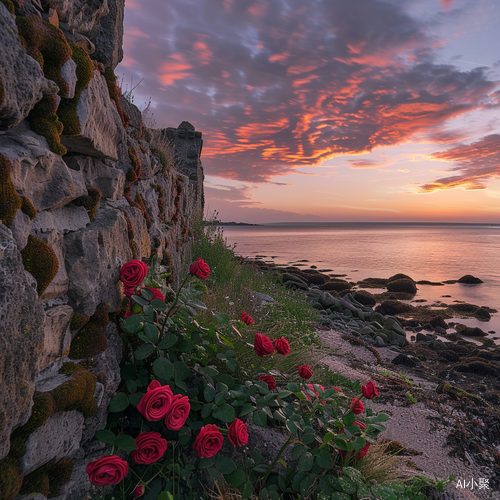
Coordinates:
[9,6]
[142,206]
[41,261]
[77,393]
[89,201]
[28,208]
[114,94]
[91,340]
[10,478]
[78,321]
[10,201]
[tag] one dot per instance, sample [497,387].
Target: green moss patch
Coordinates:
[44,121]
[10,201]
[48,479]
[91,340]
[10,478]
[114,94]
[90,201]
[78,321]
[67,107]
[28,208]
[10,7]
[41,261]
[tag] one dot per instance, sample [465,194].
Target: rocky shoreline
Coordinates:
[462,373]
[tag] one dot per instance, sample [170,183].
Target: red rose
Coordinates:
[237,433]
[263,345]
[200,268]
[107,470]
[149,447]
[338,389]
[178,413]
[208,442]
[357,406]
[282,346]
[363,451]
[369,390]
[132,275]
[246,318]
[156,403]
[305,372]
[156,293]
[270,381]
[139,491]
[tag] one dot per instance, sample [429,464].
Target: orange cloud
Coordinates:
[174,69]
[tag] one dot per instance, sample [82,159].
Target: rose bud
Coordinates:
[270,381]
[369,390]
[357,406]
[282,346]
[305,372]
[245,318]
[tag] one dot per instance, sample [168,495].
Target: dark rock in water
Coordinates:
[471,332]
[373,283]
[468,279]
[393,307]
[438,321]
[421,337]
[479,368]
[336,285]
[402,285]
[314,279]
[440,330]
[314,267]
[482,314]
[450,356]
[404,359]
[310,271]
[431,283]
[292,277]
[365,298]
[471,310]
[400,276]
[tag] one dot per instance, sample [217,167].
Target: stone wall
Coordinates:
[84,188]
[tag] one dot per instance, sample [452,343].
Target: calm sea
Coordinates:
[433,252]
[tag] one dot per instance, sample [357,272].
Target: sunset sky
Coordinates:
[329,110]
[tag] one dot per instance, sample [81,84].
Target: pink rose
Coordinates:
[270,381]
[282,346]
[178,413]
[357,406]
[107,470]
[263,345]
[209,441]
[132,275]
[305,372]
[237,433]
[246,318]
[149,448]
[156,403]
[200,268]
[369,390]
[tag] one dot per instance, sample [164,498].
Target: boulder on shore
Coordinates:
[402,285]
[468,279]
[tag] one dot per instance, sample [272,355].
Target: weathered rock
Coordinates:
[438,322]
[261,298]
[38,173]
[57,438]
[57,335]
[81,15]
[95,255]
[336,285]
[101,126]
[21,337]
[422,337]
[364,297]
[468,279]
[400,276]
[108,35]
[326,300]
[402,285]
[406,360]
[21,227]
[110,181]
[140,230]
[136,124]
[471,332]
[393,307]
[68,72]
[22,82]
[293,277]
[449,356]
[63,220]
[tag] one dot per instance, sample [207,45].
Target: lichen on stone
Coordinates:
[10,478]
[10,201]
[91,339]
[89,201]
[142,206]
[67,107]
[44,121]
[41,261]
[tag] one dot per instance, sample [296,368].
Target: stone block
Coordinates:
[101,127]
[21,338]
[57,438]
[93,256]
[21,227]
[81,15]
[68,72]
[63,220]
[57,335]
[21,77]
[38,173]
[110,181]
[141,236]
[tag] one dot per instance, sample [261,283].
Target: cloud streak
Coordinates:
[279,85]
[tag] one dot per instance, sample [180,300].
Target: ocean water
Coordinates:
[433,252]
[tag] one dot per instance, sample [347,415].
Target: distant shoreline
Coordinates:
[309,224]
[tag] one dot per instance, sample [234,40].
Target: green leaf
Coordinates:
[349,418]
[298,449]
[245,410]
[144,351]
[147,294]
[205,463]
[167,341]
[236,478]
[306,462]
[279,416]
[126,443]
[151,331]
[128,371]
[284,394]
[181,370]
[324,459]
[382,417]
[231,364]
[163,368]
[135,399]
[105,436]
[184,346]
[184,436]
[293,387]
[306,484]
[224,413]
[222,319]
[348,485]
[340,444]
[309,437]
[225,465]
[165,495]
[219,397]
[263,387]
[159,305]
[207,409]
[340,496]
[247,490]
[328,437]
[290,425]
[209,393]
[118,403]
[259,418]
[140,300]
[207,370]
[131,386]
